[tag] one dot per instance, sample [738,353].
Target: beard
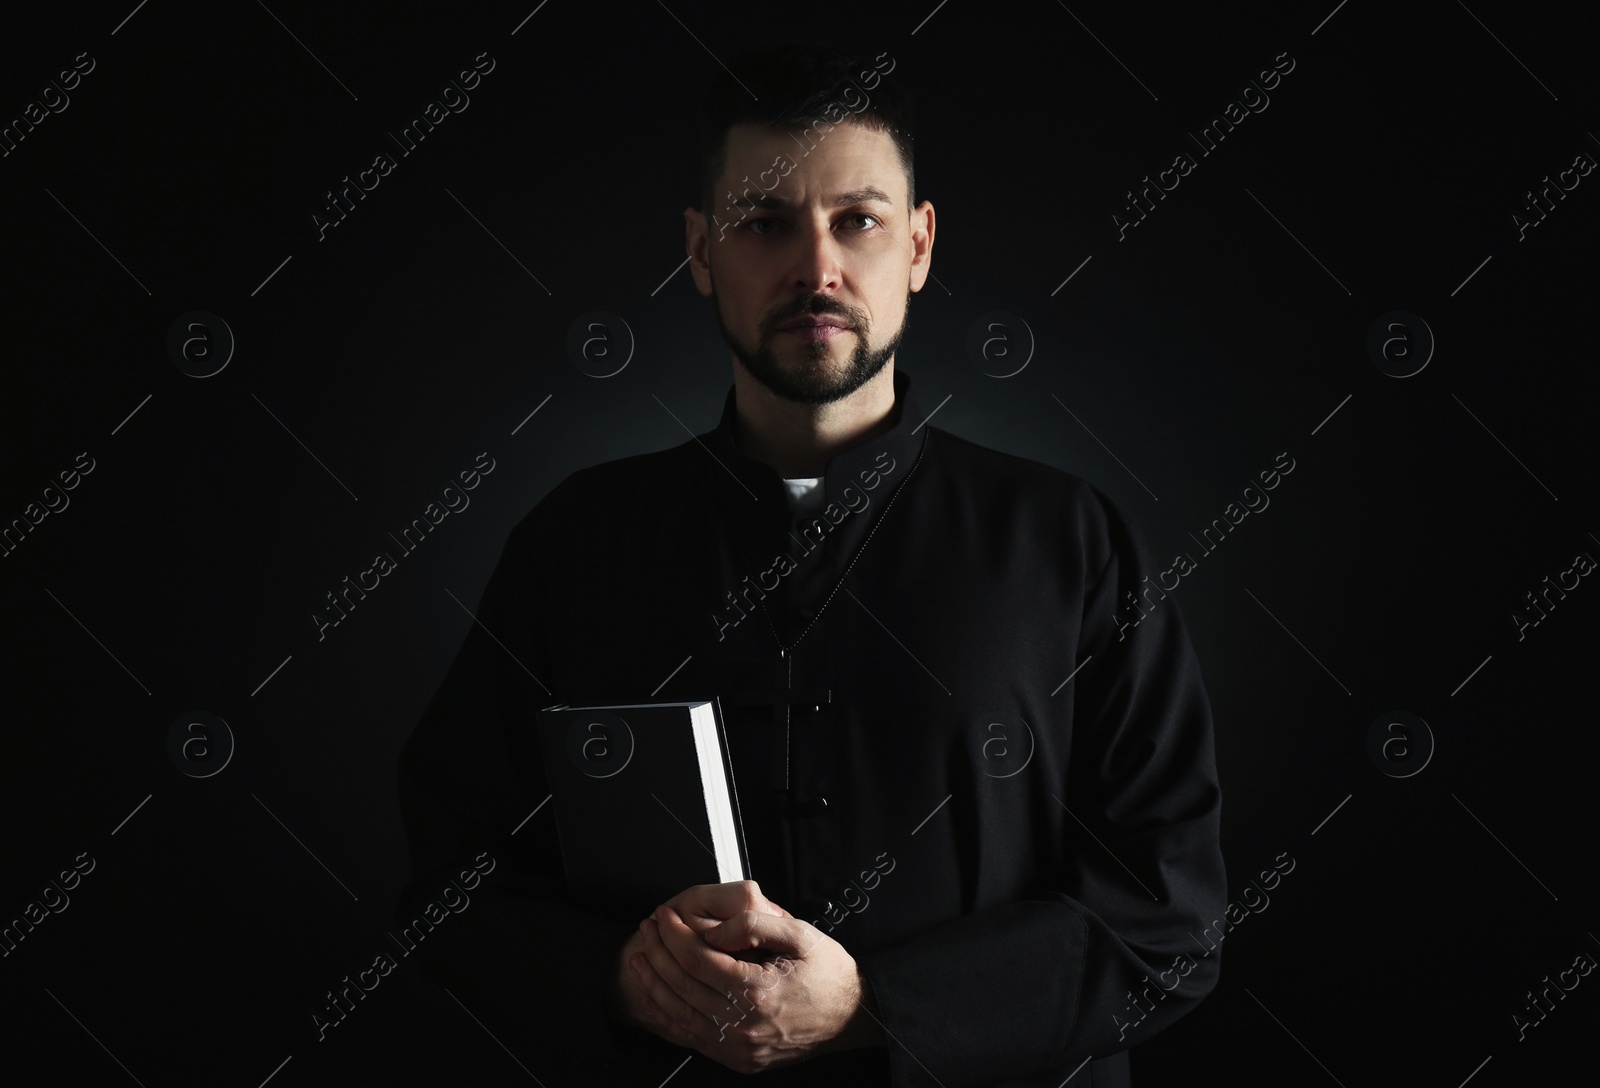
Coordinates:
[813,381]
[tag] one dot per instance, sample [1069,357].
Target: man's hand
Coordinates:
[700,907]
[706,905]
[805,997]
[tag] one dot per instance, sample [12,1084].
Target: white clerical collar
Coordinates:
[806,497]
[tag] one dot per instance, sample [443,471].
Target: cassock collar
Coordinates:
[848,467]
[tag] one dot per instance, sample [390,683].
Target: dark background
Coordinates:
[378,362]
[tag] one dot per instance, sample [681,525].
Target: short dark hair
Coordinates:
[798,85]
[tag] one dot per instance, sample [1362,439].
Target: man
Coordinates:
[978,791]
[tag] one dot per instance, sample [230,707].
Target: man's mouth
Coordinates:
[816,327]
[817,321]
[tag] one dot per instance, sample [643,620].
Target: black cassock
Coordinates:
[970,737]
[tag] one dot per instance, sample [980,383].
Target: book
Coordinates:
[644,797]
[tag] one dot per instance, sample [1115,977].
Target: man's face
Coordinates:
[812,285]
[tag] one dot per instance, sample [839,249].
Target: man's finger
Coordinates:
[695,991]
[753,929]
[719,901]
[654,993]
[713,967]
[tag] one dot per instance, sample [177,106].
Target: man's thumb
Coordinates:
[762,903]
[754,929]
[767,905]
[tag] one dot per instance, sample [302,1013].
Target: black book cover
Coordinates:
[644,798]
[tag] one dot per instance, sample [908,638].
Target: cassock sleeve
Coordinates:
[522,956]
[1097,957]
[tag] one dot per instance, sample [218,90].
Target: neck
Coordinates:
[798,440]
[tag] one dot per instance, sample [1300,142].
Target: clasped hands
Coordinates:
[724,970]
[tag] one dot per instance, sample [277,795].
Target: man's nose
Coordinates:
[817,267]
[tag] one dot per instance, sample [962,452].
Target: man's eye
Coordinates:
[759,226]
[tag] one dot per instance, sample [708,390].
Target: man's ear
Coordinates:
[697,241]
[921,244]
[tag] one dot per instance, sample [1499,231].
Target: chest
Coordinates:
[918,711]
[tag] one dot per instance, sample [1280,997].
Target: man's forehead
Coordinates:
[838,164]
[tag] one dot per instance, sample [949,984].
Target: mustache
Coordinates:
[815,308]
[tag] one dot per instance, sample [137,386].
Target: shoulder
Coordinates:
[996,478]
[607,497]
[998,465]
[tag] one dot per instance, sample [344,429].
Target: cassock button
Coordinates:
[814,806]
[807,613]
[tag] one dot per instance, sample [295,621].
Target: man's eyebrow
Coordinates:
[867,195]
